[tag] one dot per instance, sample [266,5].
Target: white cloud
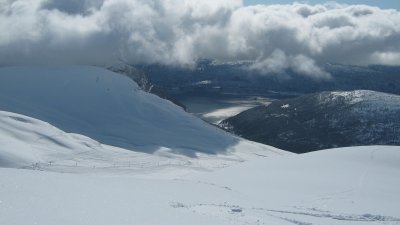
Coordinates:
[298,36]
[307,66]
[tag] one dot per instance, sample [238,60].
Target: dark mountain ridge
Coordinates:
[236,78]
[322,120]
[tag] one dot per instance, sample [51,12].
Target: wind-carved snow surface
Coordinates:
[58,177]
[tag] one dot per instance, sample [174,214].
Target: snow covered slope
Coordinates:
[109,108]
[29,143]
[349,184]
[337,187]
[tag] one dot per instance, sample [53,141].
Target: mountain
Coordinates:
[111,109]
[322,120]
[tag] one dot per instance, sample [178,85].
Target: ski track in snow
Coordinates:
[235,212]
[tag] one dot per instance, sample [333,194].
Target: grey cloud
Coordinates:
[178,32]
[72,6]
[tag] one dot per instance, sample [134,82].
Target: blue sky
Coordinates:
[395,4]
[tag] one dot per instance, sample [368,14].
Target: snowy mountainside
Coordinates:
[353,186]
[322,120]
[29,143]
[109,108]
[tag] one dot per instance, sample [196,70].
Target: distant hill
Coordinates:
[322,120]
[209,77]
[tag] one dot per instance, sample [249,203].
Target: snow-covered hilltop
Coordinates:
[28,143]
[323,120]
[74,118]
[109,108]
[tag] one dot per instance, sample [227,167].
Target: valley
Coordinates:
[215,108]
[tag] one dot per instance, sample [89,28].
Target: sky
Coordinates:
[300,37]
[388,4]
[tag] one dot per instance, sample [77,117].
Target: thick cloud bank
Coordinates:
[178,32]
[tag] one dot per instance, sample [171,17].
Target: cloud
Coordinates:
[300,37]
